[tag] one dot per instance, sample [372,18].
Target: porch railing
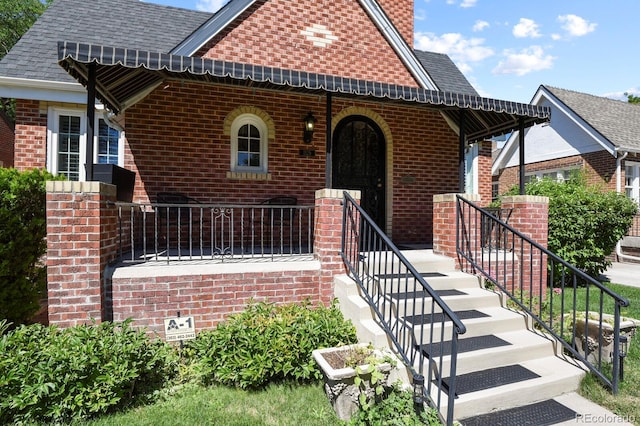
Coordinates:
[563,301]
[423,329]
[178,232]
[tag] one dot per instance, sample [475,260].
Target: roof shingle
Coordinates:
[618,121]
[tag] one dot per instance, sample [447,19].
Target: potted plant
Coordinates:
[594,341]
[355,375]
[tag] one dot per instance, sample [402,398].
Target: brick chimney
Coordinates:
[400,12]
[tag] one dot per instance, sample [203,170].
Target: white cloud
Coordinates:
[210,5]
[480,25]
[464,3]
[526,28]
[463,51]
[524,62]
[576,26]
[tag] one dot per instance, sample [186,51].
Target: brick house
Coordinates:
[208,111]
[598,135]
[6,141]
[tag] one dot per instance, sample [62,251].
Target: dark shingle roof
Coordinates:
[143,26]
[123,23]
[618,121]
[445,73]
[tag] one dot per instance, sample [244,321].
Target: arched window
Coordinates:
[249,136]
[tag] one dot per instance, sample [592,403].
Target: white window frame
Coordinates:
[259,124]
[632,190]
[53,121]
[559,173]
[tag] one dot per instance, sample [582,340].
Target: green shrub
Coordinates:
[22,242]
[585,222]
[396,408]
[269,343]
[53,375]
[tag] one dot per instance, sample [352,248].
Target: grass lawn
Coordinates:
[627,402]
[307,405]
[221,406]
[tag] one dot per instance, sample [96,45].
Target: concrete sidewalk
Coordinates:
[623,273]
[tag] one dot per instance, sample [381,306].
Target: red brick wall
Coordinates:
[31,136]
[401,14]
[600,168]
[81,240]
[6,141]
[484,178]
[168,157]
[270,34]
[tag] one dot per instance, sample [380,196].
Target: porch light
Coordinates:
[624,348]
[309,127]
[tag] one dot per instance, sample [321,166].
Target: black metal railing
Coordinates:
[423,329]
[563,301]
[179,232]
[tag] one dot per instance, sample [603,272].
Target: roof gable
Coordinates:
[344,37]
[598,123]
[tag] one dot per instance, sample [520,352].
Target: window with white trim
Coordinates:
[632,180]
[559,175]
[66,142]
[249,136]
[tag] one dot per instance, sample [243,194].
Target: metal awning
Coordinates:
[124,76]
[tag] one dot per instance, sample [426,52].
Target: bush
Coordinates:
[22,242]
[585,222]
[268,343]
[53,375]
[396,408]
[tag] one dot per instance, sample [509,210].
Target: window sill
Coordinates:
[248,176]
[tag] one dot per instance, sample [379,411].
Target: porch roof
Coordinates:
[124,76]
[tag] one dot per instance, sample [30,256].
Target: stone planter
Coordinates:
[340,386]
[601,348]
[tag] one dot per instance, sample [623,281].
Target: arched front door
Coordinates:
[359,163]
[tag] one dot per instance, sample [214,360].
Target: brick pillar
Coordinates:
[530,216]
[81,240]
[328,237]
[444,222]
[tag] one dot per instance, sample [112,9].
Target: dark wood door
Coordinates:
[359,163]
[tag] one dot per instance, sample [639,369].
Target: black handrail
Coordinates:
[544,286]
[422,328]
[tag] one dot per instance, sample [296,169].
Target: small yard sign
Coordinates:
[179,328]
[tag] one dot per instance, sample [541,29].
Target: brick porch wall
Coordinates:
[7,138]
[81,241]
[82,235]
[530,216]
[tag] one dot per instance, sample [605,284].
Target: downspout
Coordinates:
[619,253]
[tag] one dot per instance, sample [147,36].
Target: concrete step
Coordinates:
[487,320]
[457,300]
[442,280]
[555,377]
[494,350]
[422,260]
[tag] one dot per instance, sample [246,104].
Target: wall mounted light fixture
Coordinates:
[309,127]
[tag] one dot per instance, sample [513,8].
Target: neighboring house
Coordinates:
[210,107]
[598,135]
[7,137]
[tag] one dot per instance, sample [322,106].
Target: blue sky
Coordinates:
[507,48]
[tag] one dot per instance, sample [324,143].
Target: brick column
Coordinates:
[328,237]
[530,216]
[444,222]
[81,240]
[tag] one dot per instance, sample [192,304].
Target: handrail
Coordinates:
[169,232]
[422,327]
[544,286]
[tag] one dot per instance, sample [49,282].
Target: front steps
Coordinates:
[502,364]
